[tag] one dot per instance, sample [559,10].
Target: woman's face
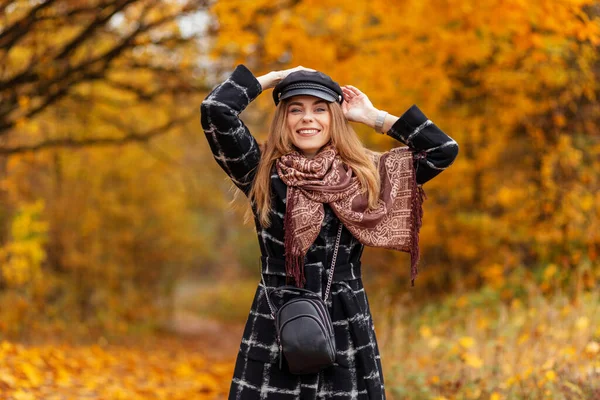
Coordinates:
[308,119]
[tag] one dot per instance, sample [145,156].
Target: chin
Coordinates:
[306,145]
[310,145]
[310,148]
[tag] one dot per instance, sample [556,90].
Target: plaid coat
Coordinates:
[357,373]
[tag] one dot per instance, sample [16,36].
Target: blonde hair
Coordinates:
[346,141]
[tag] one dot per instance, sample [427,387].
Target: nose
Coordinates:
[307,117]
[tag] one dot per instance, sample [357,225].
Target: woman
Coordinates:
[314,164]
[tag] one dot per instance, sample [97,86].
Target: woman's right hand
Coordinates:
[270,80]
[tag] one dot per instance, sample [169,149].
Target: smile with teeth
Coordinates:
[308,132]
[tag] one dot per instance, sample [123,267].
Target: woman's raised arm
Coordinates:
[231,143]
[435,151]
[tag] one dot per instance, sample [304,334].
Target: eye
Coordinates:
[295,110]
[320,109]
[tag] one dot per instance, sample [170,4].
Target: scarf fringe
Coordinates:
[418,196]
[294,259]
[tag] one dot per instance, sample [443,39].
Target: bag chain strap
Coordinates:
[329,281]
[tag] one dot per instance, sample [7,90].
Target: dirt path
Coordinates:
[215,339]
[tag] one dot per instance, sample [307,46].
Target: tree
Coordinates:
[66,51]
[93,75]
[515,83]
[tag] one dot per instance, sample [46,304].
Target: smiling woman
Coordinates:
[318,197]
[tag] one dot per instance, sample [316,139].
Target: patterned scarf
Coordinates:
[394,224]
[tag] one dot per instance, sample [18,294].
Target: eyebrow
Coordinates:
[296,103]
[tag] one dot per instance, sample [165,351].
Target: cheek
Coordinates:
[291,122]
[326,123]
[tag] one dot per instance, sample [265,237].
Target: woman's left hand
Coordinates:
[356,106]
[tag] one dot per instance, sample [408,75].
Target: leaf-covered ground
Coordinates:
[163,368]
[480,345]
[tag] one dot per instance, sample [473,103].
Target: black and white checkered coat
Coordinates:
[357,373]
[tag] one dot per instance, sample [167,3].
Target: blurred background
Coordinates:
[122,243]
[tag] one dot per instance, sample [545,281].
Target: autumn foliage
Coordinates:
[89,221]
[514,82]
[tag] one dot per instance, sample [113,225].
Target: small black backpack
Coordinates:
[304,328]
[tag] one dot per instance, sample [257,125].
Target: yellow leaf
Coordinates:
[523,338]
[466,341]
[568,351]
[425,331]
[548,364]
[473,361]
[512,380]
[23,395]
[184,369]
[483,323]
[32,374]
[550,271]
[582,323]
[434,342]
[550,376]
[587,202]
[592,348]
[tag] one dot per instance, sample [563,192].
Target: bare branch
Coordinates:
[30,75]
[68,78]
[95,142]
[105,100]
[139,92]
[31,83]
[50,99]
[163,41]
[72,13]
[10,36]
[100,20]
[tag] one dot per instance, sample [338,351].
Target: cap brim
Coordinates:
[308,92]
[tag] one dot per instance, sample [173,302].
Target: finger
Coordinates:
[347,92]
[301,68]
[286,72]
[354,90]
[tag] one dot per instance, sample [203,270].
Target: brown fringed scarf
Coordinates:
[394,224]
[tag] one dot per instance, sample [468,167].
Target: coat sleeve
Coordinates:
[434,150]
[231,143]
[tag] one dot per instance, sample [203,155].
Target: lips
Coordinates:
[308,132]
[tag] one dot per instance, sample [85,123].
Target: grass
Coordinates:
[478,346]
